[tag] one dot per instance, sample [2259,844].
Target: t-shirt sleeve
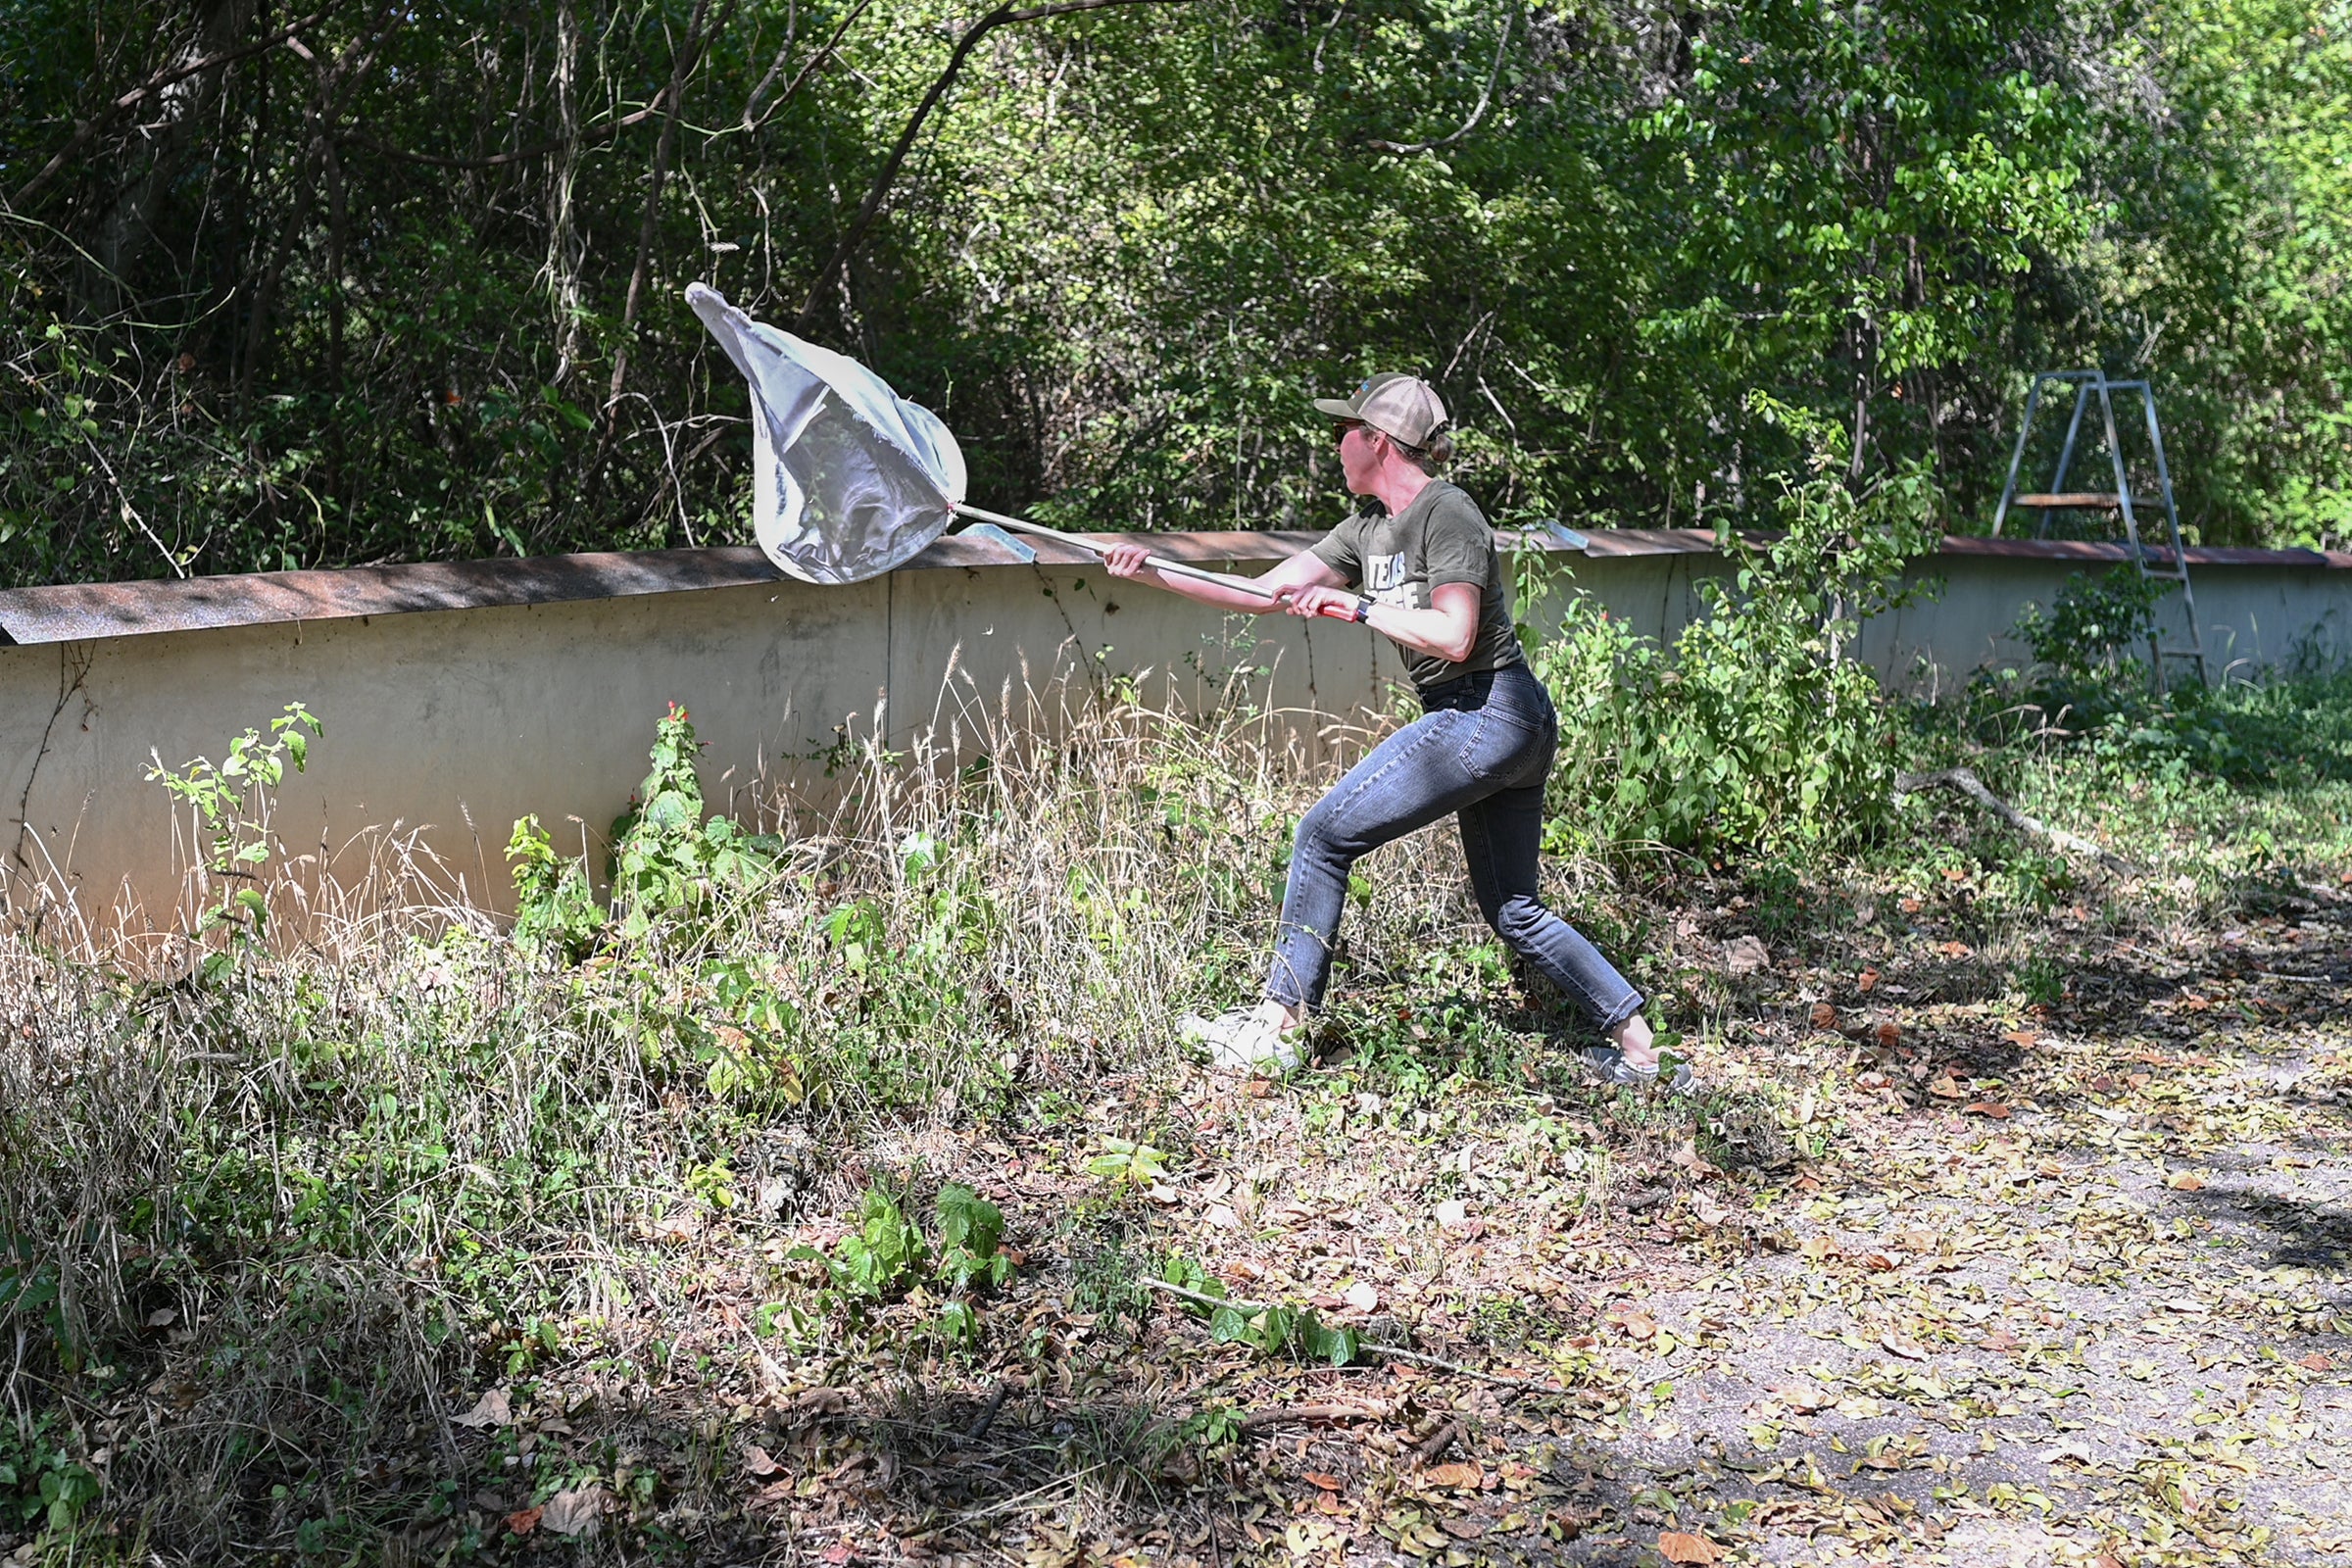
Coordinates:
[1341,551]
[1459,546]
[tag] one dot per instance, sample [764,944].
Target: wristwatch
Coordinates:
[1363,608]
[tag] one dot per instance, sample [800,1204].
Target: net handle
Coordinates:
[1159,563]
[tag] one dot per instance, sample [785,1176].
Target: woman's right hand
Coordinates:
[1125,560]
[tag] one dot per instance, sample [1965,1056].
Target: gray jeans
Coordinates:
[1480,752]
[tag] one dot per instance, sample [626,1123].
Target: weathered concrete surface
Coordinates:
[446,724]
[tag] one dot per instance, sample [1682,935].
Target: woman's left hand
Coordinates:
[1313,599]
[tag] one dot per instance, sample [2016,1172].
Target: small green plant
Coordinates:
[666,856]
[888,1255]
[555,909]
[881,1257]
[971,1233]
[2091,631]
[41,1486]
[1271,1329]
[232,800]
[1126,1163]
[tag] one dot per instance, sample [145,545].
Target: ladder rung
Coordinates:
[2105,500]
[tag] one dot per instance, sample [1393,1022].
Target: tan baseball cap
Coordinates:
[1403,408]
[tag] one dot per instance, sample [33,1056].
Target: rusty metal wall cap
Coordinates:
[82,612]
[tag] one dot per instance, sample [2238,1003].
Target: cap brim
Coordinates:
[1336,407]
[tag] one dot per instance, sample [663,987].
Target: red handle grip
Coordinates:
[1341,612]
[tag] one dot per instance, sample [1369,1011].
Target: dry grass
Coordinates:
[299,1219]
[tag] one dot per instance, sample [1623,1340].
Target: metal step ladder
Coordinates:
[2151,563]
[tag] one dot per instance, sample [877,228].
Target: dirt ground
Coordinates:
[1937,1274]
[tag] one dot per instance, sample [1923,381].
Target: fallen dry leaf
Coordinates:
[1902,1344]
[1637,1323]
[2181,1181]
[1462,1529]
[1866,981]
[492,1409]
[1986,1108]
[1460,1476]
[1680,1546]
[761,1463]
[1804,1395]
[575,1511]
[1825,1016]
[2314,1362]
[1316,1478]
[1745,955]
[524,1521]
[1887,1036]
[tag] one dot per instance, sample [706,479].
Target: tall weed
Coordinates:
[1756,727]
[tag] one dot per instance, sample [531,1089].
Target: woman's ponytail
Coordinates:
[1433,454]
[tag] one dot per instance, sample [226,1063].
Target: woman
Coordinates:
[1432,583]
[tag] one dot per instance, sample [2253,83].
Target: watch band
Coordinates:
[1363,608]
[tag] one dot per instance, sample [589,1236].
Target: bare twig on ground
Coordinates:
[1438,1442]
[1964,781]
[988,1413]
[1314,1415]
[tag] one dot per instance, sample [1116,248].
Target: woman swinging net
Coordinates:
[1419,568]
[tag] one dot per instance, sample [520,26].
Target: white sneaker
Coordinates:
[1245,1040]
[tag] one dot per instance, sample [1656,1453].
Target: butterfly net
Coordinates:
[848,479]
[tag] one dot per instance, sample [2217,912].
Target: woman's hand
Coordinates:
[1125,560]
[1314,599]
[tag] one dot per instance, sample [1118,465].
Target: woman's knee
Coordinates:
[1520,919]
[1318,837]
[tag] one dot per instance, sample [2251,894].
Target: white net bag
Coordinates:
[848,479]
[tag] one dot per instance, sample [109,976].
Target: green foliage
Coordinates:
[555,908]
[41,1485]
[1756,726]
[887,1255]
[231,801]
[1126,1163]
[666,856]
[1120,257]
[878,1259]
[1293,1331]
[2089,634]
[972,1230]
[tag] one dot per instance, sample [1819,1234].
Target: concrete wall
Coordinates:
[446,726]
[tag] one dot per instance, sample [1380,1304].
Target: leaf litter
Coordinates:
[1886,1324]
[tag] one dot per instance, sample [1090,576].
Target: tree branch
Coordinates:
[816,62]
[1004,15]
[1486,96]
[1963,780]
[603,131]
[109,112]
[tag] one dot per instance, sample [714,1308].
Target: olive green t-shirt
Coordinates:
[1439,538]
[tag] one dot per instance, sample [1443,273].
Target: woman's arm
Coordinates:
[1305,569]
[1447,629]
